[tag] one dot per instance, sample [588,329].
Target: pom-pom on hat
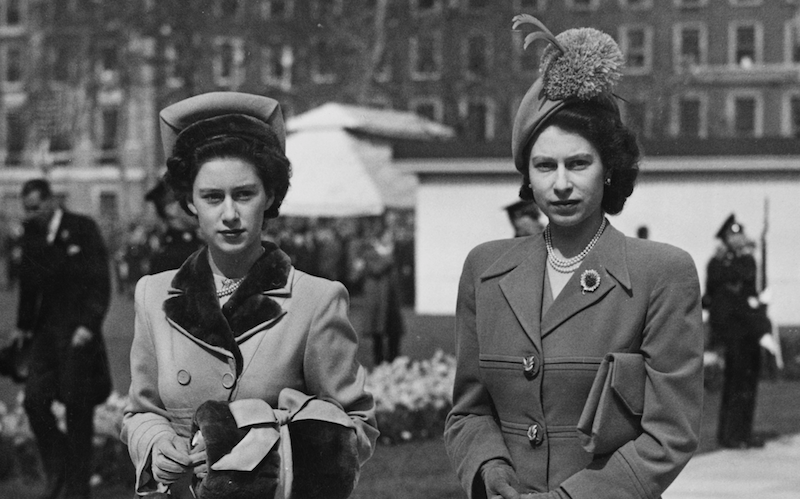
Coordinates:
[579,65]
[219,114]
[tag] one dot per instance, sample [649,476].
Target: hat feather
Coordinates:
[579,63]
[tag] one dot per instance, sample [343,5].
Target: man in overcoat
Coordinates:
[64,296]
[737,324]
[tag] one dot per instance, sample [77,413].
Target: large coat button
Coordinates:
[529,366]
[184,377]
[535,436]
[228,380]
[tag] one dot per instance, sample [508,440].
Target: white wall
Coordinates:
[682,201]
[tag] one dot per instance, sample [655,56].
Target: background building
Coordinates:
[81,82]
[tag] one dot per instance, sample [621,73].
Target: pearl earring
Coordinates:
[607,181]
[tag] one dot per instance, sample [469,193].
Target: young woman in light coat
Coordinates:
[236,320]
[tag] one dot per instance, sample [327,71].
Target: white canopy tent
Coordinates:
[342,160]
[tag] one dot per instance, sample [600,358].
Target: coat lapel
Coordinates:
[609,260]
[522,284]
[194,307]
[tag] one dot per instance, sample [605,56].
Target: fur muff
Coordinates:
[216,423]
[324,459]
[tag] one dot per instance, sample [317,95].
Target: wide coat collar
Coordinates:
[522,269]
[194,307]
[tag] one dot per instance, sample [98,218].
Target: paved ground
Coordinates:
[769,473]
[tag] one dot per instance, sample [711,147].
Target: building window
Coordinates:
[745,114]
[228,8]
[636,4]
[426,56]
[383,72]
[61,62]
[325,9]
[422,7]
[277,66]
[171,76]
[277,9]
[690,42]
[322,63]
[745,44]
[792,33]
[477,4]
[529,6]
[791,115]
[689,116]
[15,137]
[13,13]
[636,42]
[634,112]
[109,126]
[13,62]
[428,107]
[476,55]
[108,208]
[477,119]
[688,4]
[228,61]
[583,4]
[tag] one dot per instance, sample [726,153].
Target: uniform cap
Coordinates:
[729,225]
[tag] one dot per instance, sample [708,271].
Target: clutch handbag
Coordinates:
[612,415]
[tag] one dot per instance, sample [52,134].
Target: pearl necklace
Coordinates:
[569,265]
[229,286]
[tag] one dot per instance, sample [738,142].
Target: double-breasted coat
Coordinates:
[281,328]
[648,301]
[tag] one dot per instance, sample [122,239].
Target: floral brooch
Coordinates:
[590,281]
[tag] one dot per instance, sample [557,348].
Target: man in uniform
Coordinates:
[64,296]
[738,321]
[524,217]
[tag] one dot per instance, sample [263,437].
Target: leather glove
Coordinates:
[499,479]
[171,460]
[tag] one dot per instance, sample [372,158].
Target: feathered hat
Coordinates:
[578,65]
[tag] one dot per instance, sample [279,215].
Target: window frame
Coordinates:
[623,37]
[541,6]
[437,56]
[591,7]
[317,76]
[677,43]
[646,5]
[490,118]
[787,128]
[758,33]
[284,82]
[488,52]
[675,115]
[730,111]
[237,63]
[288,14]
[788,39]
[23,17]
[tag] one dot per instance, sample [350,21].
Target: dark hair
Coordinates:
[39,185]
[265,153]
[616,143]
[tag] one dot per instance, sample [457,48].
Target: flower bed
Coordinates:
[412,399]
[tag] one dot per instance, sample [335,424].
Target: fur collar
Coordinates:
[193,303]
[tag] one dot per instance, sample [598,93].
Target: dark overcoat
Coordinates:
[64,285]
[648,301]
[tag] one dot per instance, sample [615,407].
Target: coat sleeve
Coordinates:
[471,435]
[144,420]
[672,345]
[331,370]
[97,290]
